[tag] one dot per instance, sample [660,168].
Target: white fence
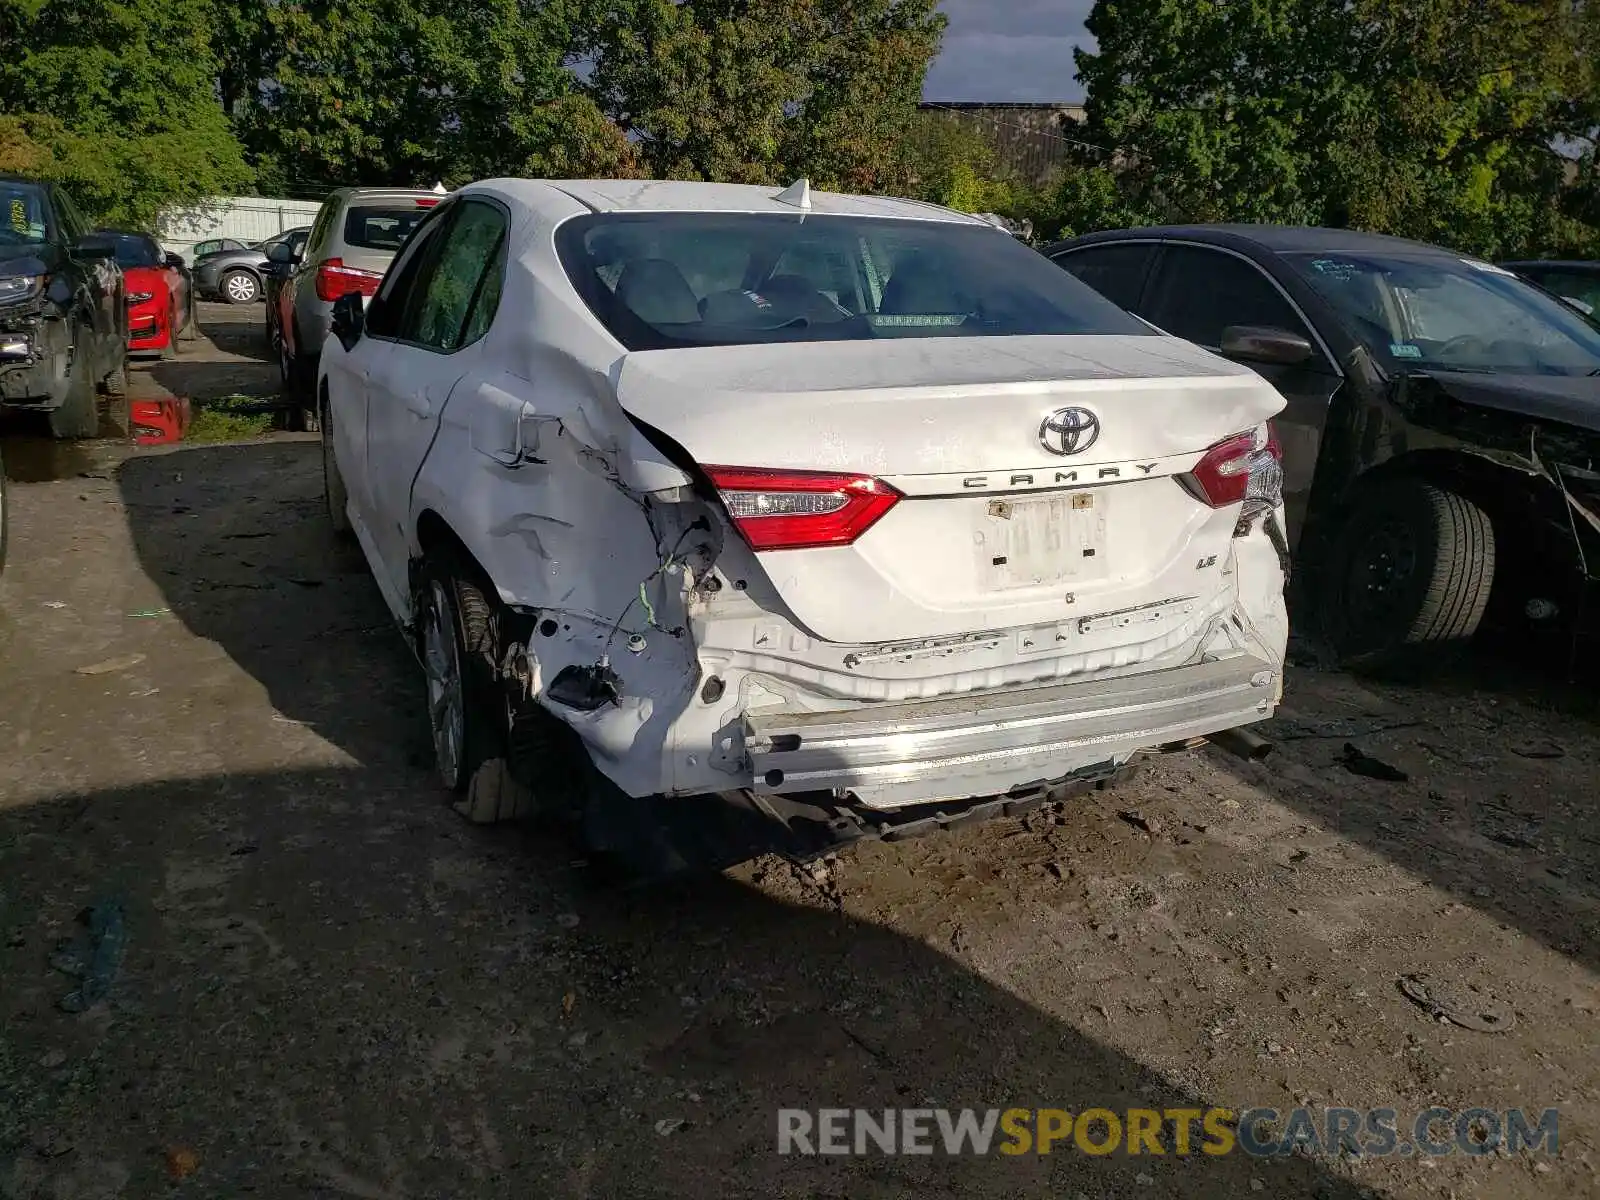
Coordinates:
[247,218]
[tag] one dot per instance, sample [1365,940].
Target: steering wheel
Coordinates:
[1461,341]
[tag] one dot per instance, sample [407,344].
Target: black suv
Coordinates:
[63,322]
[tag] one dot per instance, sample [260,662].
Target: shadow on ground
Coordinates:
[332,986]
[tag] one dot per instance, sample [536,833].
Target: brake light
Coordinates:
[1245,467]
[334,279]
[427,203]
[798,510]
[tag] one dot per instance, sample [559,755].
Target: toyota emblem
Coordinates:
[1069,431]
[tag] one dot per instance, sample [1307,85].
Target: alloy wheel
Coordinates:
[446,689]
[241,289]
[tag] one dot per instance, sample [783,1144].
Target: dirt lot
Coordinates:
[332,986]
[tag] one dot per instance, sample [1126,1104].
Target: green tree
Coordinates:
[1437,119]
[407,92]
[116,98]
[763,91]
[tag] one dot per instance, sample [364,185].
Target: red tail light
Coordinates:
[1245,466]
[334,279]
[798,510]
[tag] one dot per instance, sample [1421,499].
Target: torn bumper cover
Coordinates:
[894,755]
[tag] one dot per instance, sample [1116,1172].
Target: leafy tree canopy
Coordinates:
[116,98]
[1436,119]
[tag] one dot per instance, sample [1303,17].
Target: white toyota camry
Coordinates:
[848,513]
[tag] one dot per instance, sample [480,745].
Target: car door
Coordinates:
[302,272]
[347,375]
[1195,292]
[102,279]
[437,340]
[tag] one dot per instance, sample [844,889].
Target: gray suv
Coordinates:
[352,242]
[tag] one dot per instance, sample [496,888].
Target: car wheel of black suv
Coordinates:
[79,416]
[1409,572]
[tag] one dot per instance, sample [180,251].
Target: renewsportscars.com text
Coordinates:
[1257,1132]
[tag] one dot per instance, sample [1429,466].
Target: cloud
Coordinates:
[1009,50]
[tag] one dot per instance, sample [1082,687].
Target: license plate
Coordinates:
[1035,541]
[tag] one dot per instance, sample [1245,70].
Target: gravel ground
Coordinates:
[330,986]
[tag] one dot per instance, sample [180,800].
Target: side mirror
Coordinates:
[175,260]
[280,254]
[92,248]
[1261,344]
[349,319]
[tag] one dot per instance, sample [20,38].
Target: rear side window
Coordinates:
[381,227]
[1117,270]
[672,279]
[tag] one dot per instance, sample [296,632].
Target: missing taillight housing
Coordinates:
[1244,469]
[801,510]
[334,279]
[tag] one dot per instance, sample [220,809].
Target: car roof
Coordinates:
[667,195]
[1277,239]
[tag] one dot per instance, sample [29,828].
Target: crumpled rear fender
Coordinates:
[588,531]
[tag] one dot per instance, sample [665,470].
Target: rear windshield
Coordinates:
[663,280]
[381,227]
[132,249]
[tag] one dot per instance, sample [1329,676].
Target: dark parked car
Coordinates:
[236,275]
[63,320]
[1442,434]
[1573,280]
[216,246]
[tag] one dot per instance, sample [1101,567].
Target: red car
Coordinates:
[160,294]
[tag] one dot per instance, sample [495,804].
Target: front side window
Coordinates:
[1452,314]
[672,279]
[1201,292]
[1575,285]
[450,279]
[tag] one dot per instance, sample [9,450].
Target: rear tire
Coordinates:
[5,518]
[240,287]
[458,637]
[1409,572]
[79,416]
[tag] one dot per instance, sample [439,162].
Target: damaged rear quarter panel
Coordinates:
[582,530]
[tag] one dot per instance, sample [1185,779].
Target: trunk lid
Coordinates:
[993,528]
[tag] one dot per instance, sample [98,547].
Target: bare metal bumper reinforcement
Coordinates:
[891,755]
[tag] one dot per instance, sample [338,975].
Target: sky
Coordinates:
[1009,50]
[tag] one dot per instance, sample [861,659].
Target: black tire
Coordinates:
[334,492]
[1410,571]
[297,379]
[5,518]
[239,287]
[170,350]
[79,416]
[191,323]
[116,383]
[457,639]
